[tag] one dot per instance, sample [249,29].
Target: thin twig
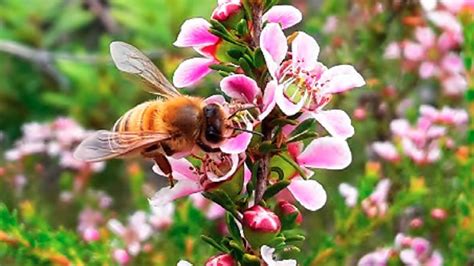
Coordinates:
[46,60]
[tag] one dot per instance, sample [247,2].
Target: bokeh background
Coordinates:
[57,81]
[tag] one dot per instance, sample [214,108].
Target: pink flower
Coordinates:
[305,84]
[349,193]
[386,150]
[376,203]
[91,234]
[195,33]
[420,253]
[162,216]
[268,254]
[392,51]
[121,256]
[225,9]
[221,260]
[136,232]
[215,169]
[321,153]
[89,218]
[376,258]
[211,209]
[244,92]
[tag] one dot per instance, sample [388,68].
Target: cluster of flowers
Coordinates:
[434,53]
[281,78]
[375,204]
[298,84]
[133,237]
[56,139]
[406,250]
[422,142]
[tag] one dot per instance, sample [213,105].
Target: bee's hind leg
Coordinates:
[156,154]
[165,166]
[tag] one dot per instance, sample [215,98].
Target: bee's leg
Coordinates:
[155,152]
[165,166]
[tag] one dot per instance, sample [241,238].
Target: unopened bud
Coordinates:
[416,223]
[260,225]
[221,260]
[439,214]
[286,212]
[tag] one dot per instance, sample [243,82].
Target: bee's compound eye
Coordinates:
[212,135]
[210,110]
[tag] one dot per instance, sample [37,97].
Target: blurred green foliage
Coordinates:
[66,68]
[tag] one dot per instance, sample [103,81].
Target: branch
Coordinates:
[46,60]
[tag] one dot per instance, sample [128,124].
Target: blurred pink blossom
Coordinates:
[350,194]
[376,204]
[136,231]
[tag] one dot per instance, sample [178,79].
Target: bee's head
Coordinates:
[213,129]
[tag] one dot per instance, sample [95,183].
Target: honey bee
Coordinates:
[172,124]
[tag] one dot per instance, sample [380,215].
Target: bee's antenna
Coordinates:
[248,131]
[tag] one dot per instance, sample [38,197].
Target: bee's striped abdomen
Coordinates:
[140,118]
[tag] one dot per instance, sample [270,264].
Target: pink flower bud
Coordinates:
[121,256]
[91,234]
[416,223]
[260,225]
[360,113]
[284,209]
[226,9]
[439,214]
[261,219]
[221,260]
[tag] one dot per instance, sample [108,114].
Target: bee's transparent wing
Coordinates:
[104,144]
[130,60]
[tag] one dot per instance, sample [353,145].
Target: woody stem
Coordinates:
[256,7]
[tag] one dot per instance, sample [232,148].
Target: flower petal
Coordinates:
[190,71]
[286,15]
[240,87]
[182,169]
[309,193]
[341,78]
[305,51]
[195,32]
[180,189]
[336,122]
[237,144]
[326,153]
[269,100]
[274,46]
[267,256]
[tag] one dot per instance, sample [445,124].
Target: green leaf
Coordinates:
[214,243]
[233,228]
[251,260]
[275,188]
[221,198]
[304,126]
[279,172]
